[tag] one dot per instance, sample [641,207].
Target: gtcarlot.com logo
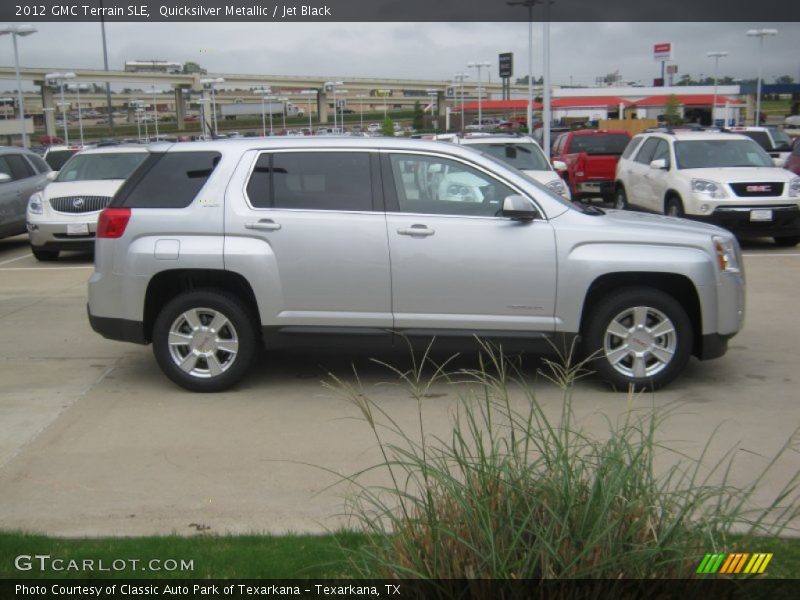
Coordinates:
[735,563]
[48,563]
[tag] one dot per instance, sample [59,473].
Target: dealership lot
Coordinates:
[94,440]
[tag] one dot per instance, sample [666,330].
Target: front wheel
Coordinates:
[44,255]
[620,199]
[204,340]
[638,337]
[674,207]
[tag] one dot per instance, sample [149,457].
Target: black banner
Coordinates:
[399,10]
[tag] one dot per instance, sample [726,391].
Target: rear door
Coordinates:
[310,222]
[458,267]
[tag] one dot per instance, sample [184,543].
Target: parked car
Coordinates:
[63,216]
[773,140]
[722,178]
[22,173]
[793,163]
[555,132]
[57,155]
[792,122]
[209,250]
[591,157]
[524,154]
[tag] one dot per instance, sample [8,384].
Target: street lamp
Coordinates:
[341,112]
[61,79]
[760,34]
[529,4]
[77,88]
[283,110]
[434,96]
[460,77]
[203,102]
[211,82]
[716,55]
[19,31]
[308,93]
[361,106]
[331,86]
[263,91]
[479,66]
[155,110]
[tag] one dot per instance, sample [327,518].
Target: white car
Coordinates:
[63,216]
[524,154]
[724,179]
[773,140]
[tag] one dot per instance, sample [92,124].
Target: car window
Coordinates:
[525,156]
[38,163]
[57,158]
[600,143]
[759,137]
[631,147]
[312,181]
[5,167]
[93,167]
[167,180]
[20,168]
[645,154]
[440,186]
[782,141]
[662,152]
[701,154]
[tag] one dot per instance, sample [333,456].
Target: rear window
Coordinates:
[519,155]
[612,143]
[39,164]
[167,180]
[760,137]
[631,147]
[57,158]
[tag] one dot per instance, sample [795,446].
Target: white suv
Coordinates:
[721,178]
[64,215]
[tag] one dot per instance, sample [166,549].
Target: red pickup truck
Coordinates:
[591,157]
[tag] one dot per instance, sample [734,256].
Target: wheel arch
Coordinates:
[669,194]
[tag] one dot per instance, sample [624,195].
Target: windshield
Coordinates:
[601,143]
[704,154]
[84,167]
[782,141]
[524,156]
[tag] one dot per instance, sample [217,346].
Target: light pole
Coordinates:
[61,79]
[203,102]
[263,91]
[211,82]
[77,87]
[330,86]
[434,96]
[105,67]
[716,55]
[760,34]
[546,80]
[155,110]
[479,65]
[460,77]
[529,4]
[361,106]
[283,110]
[308,93]
[343,101]
[15,31]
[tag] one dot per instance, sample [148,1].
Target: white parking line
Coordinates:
[10,260]
[43,268]
[770,254]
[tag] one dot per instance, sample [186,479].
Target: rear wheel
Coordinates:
[204,340]
[620,199]
[674,207]
[44,255]
[638,336]
[789,241]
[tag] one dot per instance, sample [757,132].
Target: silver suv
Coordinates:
[212,248]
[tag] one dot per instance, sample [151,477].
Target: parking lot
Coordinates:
[94,440]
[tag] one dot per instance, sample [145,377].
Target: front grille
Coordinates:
[79,204]
[757,188]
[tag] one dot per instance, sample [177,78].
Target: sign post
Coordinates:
[662,52]
[506,61]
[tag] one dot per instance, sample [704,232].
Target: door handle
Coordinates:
[263,225]
[416,230]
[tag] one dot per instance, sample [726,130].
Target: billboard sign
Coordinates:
[506,64]
[663,51]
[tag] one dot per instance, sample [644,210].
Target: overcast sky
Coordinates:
[580,51]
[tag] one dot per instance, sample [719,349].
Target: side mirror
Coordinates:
[519,207]
[658,164]
[5,177]
[51,176]
[559,165]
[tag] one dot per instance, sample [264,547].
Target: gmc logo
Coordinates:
[759,188]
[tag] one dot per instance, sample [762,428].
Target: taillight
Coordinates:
[112,222]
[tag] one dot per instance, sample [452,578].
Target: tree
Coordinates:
[672,113]
[784,79]
[419,116]
[388,127]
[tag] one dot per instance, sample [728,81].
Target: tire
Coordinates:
[789,241]
[674,207]
[621,199]
[214,358]
[646,362]
[44,255]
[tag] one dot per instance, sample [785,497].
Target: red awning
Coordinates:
[612,102]
[686,100]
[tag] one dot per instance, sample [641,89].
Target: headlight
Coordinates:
[35,203]
[558,186]
[794,188]
[712,188]
[727,254]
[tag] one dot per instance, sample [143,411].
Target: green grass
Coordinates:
[241,557]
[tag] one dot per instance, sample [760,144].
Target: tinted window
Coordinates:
[92,167]
[600,143]
[312,180]
[631,147]
[700,154]
[5,166]
[782,141]
[521,156]
[38,163]
[167,180]
[20,168]
[759,137]
[646,153]
[57,158]
[433,185]
[662,152]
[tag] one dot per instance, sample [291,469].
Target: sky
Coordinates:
[579,51]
